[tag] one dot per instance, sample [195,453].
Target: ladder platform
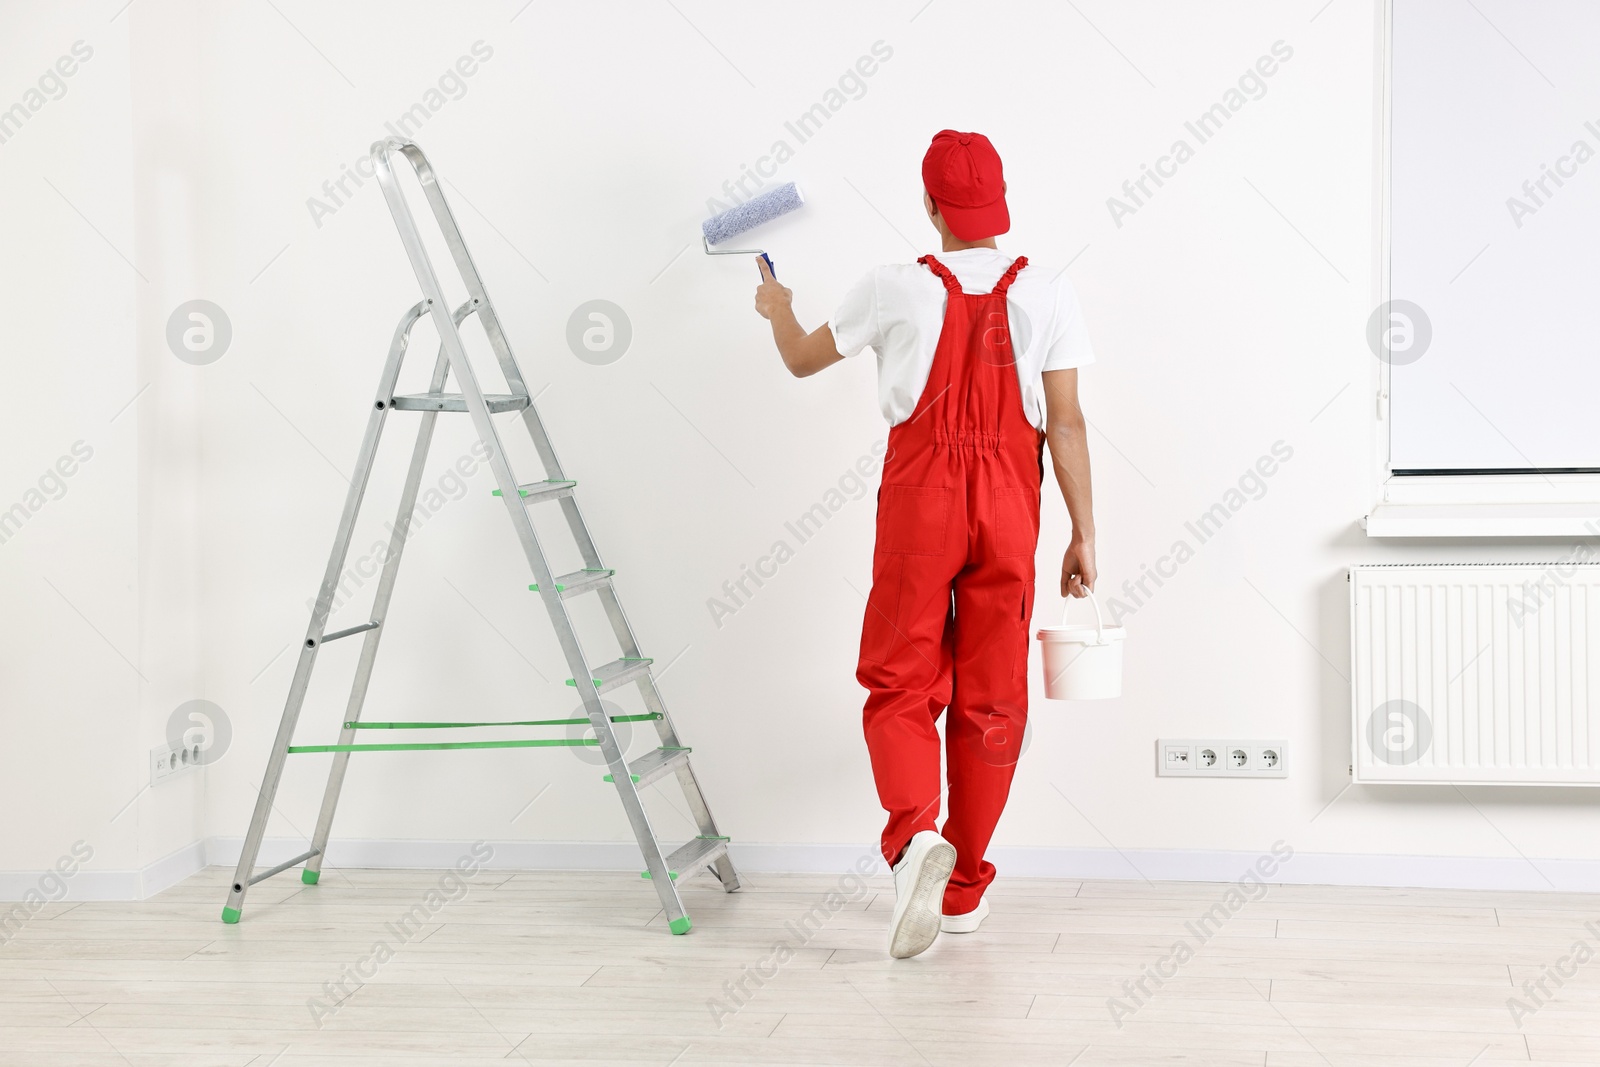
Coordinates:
[497,402]
[534,492]
[656,764]
[579,581]
[608,676]
[696,853]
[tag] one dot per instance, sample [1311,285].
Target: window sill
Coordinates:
[1576,519]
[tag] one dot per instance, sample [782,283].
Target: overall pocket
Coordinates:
[912,519]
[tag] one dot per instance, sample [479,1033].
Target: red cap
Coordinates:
[962,173]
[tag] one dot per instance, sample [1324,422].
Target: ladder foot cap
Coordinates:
[230,915]
[680,926]
[309,877]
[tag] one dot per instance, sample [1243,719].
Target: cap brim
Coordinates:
[977,223]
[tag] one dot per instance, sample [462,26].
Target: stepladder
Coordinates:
[671,758]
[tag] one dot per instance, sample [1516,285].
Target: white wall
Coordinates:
[101,447]
[1228,313]
[69,575]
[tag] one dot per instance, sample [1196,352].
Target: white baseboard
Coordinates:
[1304,868]
[86,883]
[168,872]
[1157,865]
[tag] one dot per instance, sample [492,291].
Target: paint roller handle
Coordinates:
[770,272]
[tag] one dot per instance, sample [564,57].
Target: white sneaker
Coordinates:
[966,922]
[919,880]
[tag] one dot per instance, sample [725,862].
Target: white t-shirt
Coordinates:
[898,310]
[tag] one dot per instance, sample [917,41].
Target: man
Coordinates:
[977,367]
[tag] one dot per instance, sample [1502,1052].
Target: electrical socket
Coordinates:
[168,759]
[1221,758]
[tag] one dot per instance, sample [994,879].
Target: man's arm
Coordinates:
[803,353]
[1069,454]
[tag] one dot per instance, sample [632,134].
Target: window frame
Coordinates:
[1447,505]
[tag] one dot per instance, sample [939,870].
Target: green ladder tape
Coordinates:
[635,777]
[230,915]
[648,717]
[441,745]
[673,875]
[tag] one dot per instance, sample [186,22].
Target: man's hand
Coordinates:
[803,353]
[1077,569]
[771,298]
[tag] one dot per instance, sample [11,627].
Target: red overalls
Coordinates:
[952,590]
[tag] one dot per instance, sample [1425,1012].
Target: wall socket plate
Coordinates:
[168,759]
[1221,758]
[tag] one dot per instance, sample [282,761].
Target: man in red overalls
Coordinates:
[977,369]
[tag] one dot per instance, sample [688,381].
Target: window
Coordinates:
[1490,320]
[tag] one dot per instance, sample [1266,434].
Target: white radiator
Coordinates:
[1476,673]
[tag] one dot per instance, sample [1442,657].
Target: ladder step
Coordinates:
[578,582]
[497,402]
[608,676]
[534,492]
[655,764]
[697,853]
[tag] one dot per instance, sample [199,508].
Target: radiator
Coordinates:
[1476,673]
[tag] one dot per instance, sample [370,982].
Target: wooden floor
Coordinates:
[579,968]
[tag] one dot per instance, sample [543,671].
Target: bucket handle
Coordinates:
[1099,619]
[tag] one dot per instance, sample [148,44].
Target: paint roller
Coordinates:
[747,216]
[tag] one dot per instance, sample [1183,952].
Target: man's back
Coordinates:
[898,310]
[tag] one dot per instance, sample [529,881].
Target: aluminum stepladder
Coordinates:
[708,849]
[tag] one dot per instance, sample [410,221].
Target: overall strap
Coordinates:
[941,272]
[1009,276]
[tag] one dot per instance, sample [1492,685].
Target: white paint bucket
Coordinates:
[1082,662]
